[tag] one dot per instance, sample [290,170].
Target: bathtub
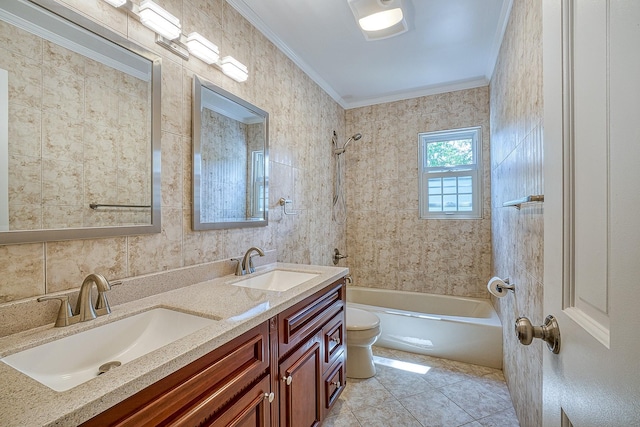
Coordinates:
[457,328]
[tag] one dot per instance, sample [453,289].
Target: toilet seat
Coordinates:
[360,320]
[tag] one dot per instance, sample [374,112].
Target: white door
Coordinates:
[592,211]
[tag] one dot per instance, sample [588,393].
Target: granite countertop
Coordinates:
[24,401]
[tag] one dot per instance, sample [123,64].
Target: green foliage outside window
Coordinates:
[450,153]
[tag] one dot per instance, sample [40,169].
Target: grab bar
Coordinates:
[519,202]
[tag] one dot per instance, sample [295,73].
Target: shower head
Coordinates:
[339,151]
[355,137]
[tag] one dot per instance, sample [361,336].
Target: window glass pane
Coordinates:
[435,186]
[449,185]
[435,204]
[450,203]
[465,185]
[465,202]
[450,153]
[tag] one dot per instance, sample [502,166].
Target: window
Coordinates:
[450,168]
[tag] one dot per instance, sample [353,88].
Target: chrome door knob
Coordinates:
[549,332]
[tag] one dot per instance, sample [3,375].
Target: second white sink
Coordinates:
[276,280]
[67,362]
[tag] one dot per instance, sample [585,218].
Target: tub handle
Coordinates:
[287,379]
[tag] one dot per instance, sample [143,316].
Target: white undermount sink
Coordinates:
[67,362]
[275,280]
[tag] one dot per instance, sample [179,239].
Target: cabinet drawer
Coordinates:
[333,334]
[252,408]
[305,318]
[334,383]
[200,388]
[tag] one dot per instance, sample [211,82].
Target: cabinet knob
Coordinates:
[269,396]
[336,383]
[287,379]
[335,340]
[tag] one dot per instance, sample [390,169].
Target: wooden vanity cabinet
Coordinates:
[288,371]
[230,384]
[312,352]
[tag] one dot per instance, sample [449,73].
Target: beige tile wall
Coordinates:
[388,245]
[302,119]
[516,169]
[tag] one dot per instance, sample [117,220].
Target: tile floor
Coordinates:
[449,394]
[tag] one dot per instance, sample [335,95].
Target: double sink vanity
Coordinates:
[265,348]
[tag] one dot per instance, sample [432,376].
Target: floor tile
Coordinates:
[389,414]
[476,398]
[436,410]
[445,393]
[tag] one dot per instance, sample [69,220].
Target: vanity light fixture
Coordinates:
[169,35]
[159,20]
[234,69]
[202,48]
[116,3]
[379,19]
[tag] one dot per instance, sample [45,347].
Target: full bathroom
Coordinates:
[248,280]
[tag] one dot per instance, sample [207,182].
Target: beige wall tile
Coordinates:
[22,269]
[517,171]
[68,263]
[382,199]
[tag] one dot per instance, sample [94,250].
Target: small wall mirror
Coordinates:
[79,128]
[230,160]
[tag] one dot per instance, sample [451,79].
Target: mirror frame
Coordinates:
[46,235]
[198,84]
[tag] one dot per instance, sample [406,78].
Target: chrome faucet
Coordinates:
[246,265]
[84,307]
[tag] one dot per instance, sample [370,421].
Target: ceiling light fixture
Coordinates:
[379,19]
[169,35]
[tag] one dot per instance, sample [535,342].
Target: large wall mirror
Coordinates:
[230,160]
[79,128]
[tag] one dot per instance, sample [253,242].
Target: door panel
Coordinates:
[592,237]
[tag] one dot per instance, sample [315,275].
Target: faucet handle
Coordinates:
[239,270]
[250,267]
[64,313]
[102,303]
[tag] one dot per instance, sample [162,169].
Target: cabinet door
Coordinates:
[300,388]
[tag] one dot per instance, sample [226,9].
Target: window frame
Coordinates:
[474,170]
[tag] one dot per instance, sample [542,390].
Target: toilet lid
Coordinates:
[358,320]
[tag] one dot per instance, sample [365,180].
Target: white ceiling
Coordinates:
[450,45]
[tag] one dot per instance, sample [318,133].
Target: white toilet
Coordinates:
[363,329]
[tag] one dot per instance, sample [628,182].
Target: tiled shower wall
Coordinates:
[516,172]
[302,120]
[388,245]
